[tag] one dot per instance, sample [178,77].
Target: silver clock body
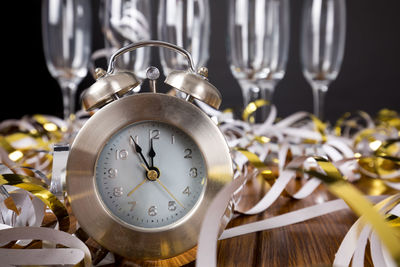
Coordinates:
[179,122]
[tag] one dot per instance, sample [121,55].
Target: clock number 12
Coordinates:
[154,134]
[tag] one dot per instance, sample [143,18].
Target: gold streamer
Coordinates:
[50,128]
[265,171]
[349,123]
[251,108]
[320,127]
[6,145]
[25,147]
[389,118]
[360,205]
[37,188]
[381,162]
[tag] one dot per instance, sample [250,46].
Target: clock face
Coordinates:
[150,174]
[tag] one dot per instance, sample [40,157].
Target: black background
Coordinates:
[369,77]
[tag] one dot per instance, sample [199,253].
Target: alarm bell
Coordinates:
[195,85]
[107,88]
[111,86]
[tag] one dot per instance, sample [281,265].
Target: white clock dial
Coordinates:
[150,188]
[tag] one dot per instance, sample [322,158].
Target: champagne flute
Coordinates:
[125,22]
[322,42]
[66,29]
[258,44]
[186,24]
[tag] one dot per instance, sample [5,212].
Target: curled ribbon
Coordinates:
[76,254]
[355,241]
[38,189]
[251,108]
[357,202]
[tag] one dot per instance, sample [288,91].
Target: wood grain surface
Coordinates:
[311,243]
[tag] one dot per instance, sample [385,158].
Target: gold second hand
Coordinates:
[134,189]
[158,180]
[139,185]
[166,189]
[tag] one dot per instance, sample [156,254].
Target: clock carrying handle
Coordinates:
[134,46]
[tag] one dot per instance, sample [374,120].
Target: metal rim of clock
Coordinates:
[110,85]
[86,203]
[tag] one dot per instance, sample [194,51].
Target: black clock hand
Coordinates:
[138,150]
[152,153]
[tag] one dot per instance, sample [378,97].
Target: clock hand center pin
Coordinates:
[150,174]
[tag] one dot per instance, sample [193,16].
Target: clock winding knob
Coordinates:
[99,72]
[203,71]
[195,85]
[152,74]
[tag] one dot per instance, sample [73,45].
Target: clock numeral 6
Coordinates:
[171,205]
[152,211]
[188,153]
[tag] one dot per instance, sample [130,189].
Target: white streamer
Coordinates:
[11,257]
[354,243]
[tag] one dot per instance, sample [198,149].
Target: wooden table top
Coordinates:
[311,243]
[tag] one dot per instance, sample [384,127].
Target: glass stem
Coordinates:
[68,94]
[319,92]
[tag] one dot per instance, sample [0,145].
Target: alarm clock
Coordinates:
[144,168]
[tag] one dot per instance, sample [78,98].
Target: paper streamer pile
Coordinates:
[35,218]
